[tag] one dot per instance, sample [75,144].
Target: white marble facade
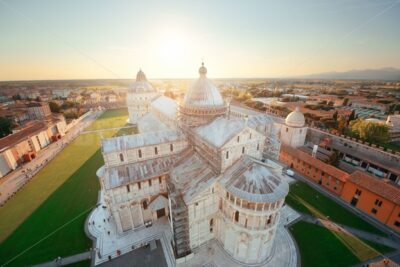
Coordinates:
[199,166]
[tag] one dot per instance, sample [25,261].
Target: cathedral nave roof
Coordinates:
[136,172]
[192,175]
[166,106]
[126,142]
[220,130]
[151,123]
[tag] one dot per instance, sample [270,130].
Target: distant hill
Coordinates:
[391,74]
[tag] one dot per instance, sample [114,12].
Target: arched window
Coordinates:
[156,150]
[211,225]
[227,154]
[144,203]
[236,216]
[140,153]
[238,139]
[242,150]
[171,147]
[121,157]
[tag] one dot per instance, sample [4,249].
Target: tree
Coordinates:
[335,116]
[341,124]
[54,107]
[352,115]
[5,126]
[372,132]
[334,159]
[16,97]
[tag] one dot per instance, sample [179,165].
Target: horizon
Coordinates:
[102,40]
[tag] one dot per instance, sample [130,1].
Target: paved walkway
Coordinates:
[67,260]
[352,231]
[108,129]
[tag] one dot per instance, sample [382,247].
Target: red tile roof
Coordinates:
[307,158]
[375,185]
[13,139]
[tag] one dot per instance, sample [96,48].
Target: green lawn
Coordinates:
[321,247]
[307,200]
[46,218]
[112,118]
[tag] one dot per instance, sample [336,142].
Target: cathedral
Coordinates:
[201,168]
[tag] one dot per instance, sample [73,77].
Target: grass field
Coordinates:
[321,247]
[46,218]
[307,200]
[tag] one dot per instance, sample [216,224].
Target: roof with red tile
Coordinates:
[14,139]
[377,186]
[327,168]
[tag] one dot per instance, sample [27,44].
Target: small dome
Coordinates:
[295,118]
[203,93]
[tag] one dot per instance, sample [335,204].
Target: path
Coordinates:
[351,231]
[67,260]
[108,129]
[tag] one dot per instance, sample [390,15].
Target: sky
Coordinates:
[102,39]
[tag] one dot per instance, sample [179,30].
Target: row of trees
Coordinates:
[372,132]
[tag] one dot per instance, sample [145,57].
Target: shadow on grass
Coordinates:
[39,237]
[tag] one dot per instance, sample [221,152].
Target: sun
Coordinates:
[172,47]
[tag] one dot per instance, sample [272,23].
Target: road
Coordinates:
[12,182]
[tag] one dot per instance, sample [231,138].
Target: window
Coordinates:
[144,203]
[269,219]
[211,225]
[196,204]
[156,150]
[250,136]
[121,157]
[374,211]
[149,182]
[258,147]
[236,216]
[227,154]
[358,192]
[159,180]
[245,223]
[287,129]
[128,189]
[378,202]
[140,153]
[397,223]
[242,150]
[139,186]
[171,147]
[238,139]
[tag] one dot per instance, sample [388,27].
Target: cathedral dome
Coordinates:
[203,93]
[295,118]
[141,85]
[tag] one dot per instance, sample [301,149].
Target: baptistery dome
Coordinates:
[202,102]
[141,85]
[295,118]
